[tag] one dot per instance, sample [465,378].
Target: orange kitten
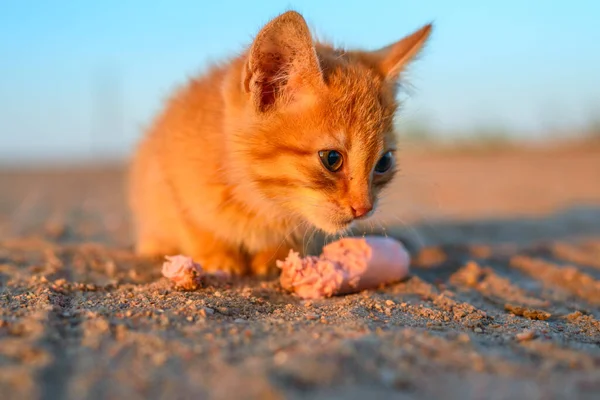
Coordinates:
[246,160]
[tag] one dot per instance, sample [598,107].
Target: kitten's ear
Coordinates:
[391,60]
[282,63]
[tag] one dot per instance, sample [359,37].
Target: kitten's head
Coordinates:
[313,125]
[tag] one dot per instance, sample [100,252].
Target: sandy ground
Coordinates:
[503,301]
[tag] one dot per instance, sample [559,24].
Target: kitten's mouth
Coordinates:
[361,218]
[334,227]
[348,222]
[345,224]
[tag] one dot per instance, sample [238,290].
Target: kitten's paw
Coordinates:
[212,253]
[228,262]
[264,263]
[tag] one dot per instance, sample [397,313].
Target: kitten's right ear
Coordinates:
[282,63]
[392,59]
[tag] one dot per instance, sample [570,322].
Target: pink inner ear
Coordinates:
[268,95]
[271,78]
[278,64]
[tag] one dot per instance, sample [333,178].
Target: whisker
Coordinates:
[284,240]
[310,239]
[412,230]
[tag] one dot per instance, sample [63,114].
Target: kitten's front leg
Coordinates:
[213,253]
[264,262]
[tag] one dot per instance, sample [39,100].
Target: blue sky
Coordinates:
[78,77]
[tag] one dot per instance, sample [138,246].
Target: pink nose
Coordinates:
[362,210]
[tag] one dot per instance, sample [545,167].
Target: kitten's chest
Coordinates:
[256,231]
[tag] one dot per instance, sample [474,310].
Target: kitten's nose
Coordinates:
[361,210]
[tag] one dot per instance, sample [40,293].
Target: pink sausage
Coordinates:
[346,266]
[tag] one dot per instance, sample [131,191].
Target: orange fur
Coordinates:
[230,172]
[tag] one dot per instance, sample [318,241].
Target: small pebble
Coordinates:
[478,330]
[525,335]
[463,338]
[280,357]
[223,310]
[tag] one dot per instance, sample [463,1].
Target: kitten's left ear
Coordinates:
[282,63]
[392,59]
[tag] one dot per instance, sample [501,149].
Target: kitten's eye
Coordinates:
[384,163]
[331,159]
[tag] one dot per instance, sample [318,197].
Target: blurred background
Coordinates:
[81,80]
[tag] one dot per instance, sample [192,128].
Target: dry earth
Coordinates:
[503,301]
